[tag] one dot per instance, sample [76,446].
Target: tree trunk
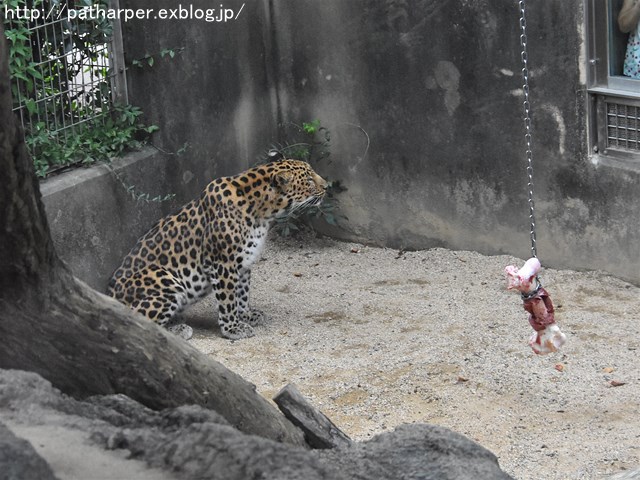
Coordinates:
[83,342]
[26,251]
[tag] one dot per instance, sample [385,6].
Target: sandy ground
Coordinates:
[376,338]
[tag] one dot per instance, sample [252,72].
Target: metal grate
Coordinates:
[65,80]
[623,126]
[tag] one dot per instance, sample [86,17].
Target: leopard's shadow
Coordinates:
[202,317]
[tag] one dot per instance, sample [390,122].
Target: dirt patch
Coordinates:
[377,338]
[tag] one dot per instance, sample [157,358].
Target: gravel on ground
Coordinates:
[376,338]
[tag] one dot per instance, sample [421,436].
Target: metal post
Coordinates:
[119,90]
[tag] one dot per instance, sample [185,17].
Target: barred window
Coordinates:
[614,106]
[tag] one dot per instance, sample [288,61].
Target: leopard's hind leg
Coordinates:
[161,299]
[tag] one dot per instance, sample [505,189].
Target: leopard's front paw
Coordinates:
[237,330]
[182,330]
[254,317]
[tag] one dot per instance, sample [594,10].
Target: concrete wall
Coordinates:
[216,95]
[437,87]
[93,219]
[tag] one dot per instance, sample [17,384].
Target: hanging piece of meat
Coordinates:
[547,336]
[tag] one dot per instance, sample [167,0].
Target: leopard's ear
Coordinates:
[280,180]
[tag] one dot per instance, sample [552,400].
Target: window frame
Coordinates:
[604,87]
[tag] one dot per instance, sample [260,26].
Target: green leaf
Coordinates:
[312,127]
[31,106]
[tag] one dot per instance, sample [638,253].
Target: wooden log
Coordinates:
[319,431]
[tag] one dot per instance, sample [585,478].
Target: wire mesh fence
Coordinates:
[63,78]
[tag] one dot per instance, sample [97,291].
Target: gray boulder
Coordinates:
[191,442]
[19,460]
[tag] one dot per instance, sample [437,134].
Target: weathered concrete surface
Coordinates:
[217,113]
[191,442]
[437,87]
[216,110]
[216,95]
[94,220]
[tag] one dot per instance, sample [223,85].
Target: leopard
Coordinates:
[211,244]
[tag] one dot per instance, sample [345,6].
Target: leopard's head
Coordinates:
[296,186]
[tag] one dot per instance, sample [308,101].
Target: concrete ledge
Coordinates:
[94,221]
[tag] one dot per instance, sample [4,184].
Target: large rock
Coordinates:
[19,460]
[191,442]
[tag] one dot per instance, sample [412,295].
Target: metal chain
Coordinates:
[527,123]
